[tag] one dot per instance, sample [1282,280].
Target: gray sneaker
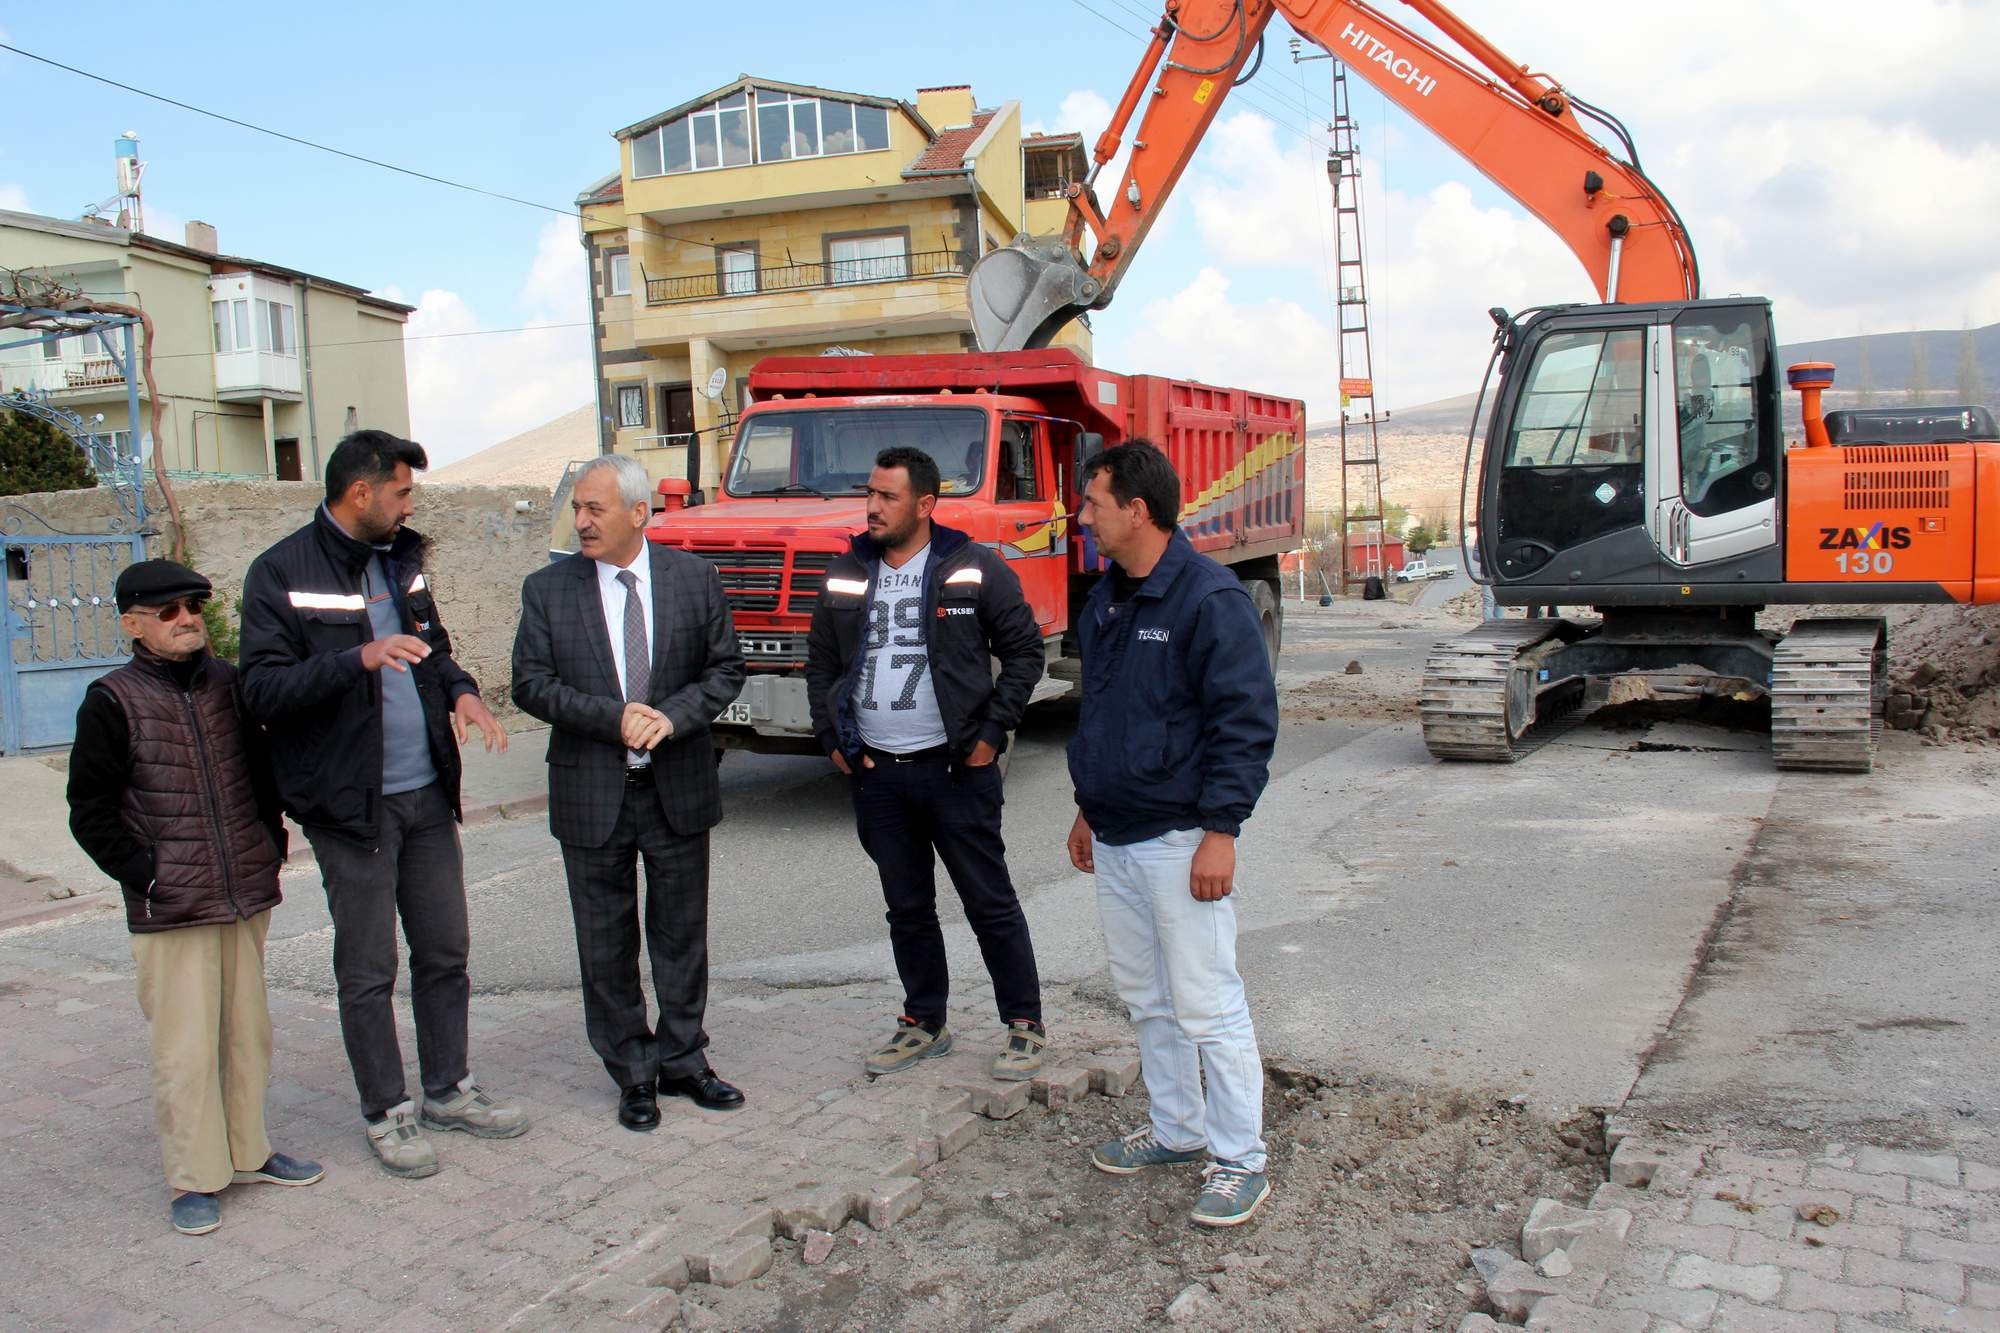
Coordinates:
[1137,1151]
[400,1146]
[471,1111]
[1229,1195]
[910,1044]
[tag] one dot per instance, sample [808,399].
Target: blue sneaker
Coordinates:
[1137,1151]
[195,1214]
[1229,1195]
[281,1170]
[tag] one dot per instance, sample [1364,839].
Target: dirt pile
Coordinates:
[1944,666]
[1379,1194]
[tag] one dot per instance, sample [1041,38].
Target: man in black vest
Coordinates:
[170,793]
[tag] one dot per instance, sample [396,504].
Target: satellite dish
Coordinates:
[715,383]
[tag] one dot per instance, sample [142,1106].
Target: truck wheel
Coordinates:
[1270,618]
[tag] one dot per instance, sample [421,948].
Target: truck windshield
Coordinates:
[831,451]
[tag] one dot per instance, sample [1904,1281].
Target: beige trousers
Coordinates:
[202,991]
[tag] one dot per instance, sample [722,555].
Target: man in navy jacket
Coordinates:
[1180,715]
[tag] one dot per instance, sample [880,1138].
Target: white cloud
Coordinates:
[1200,333]
[475,382]
[13,197]
[1857,203]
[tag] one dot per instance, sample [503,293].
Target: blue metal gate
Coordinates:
[59,627]
[62,628]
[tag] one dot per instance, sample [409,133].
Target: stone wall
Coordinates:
[482,545]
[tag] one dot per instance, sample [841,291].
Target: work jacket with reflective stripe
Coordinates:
[974,613]
[305,619]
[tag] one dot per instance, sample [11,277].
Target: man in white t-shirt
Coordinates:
[904,701]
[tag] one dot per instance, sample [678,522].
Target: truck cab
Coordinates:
[792,497]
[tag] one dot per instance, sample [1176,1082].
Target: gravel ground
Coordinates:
[1378,1194]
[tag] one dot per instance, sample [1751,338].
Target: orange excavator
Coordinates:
[1634,460]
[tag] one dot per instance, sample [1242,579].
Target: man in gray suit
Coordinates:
[627,651]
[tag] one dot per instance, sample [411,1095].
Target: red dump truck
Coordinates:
[1008,431]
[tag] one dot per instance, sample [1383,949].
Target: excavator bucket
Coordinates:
[1023,295]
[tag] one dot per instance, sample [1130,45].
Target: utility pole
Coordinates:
[1360,445]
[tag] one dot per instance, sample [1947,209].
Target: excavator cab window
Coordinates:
[1722,373]
[1573,466]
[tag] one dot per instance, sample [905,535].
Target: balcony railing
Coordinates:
[800,277]
[59,376]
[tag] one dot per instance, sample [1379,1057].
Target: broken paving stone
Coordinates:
[1825,1214]
[818,1245]
[1553,1226]
[1556,1264]
[1193,1303]
[1512,1287]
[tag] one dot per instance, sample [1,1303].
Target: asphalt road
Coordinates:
[1533,928]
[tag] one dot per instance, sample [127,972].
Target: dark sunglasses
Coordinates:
[172,611]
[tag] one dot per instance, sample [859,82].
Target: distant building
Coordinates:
[259,367]
[764,218]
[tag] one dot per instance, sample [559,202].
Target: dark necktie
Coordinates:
[638,660]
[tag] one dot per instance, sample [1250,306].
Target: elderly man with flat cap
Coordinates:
[170,792]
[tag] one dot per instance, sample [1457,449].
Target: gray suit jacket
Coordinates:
[565,675]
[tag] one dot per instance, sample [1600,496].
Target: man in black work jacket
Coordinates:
[347,664]
[170,793]
[904,700]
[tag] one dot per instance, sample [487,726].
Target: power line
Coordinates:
[647,227]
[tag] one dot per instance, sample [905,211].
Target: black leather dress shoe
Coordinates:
[637,1107]
[705,1089]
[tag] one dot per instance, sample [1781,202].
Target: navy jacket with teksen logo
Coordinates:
[1180,713]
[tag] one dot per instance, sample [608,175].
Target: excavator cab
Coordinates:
[1635,446]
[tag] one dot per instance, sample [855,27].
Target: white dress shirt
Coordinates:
[611,594]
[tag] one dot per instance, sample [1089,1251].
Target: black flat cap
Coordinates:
[157,582]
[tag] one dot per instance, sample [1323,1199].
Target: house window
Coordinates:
[631,405]
[791,126]
[716,135]
[739,271]
[875,258]
[618,274]
[52,350]
[241,312]
[274,321]
[221,309]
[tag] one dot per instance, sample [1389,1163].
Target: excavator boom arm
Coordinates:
[1518,128]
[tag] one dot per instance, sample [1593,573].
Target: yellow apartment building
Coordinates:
[259,367]
[768,218]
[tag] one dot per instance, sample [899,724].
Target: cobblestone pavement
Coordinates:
[578,1221]
[1702,1236]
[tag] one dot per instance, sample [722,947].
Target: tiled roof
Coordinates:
[1050,140]
[945,88]
[947,151]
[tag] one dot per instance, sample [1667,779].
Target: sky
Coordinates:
[1838,159]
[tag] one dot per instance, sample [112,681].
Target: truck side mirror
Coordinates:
[1088,442]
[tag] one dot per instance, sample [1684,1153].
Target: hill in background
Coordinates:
[532,458]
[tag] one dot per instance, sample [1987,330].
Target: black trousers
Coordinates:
[415,874]
[907,811]
[604,899]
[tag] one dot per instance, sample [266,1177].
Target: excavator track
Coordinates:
[1829,679]
[1479,692]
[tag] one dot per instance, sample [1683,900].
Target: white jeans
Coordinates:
[1173,960]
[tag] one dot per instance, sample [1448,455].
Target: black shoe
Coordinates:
[637,1108]
[705,1089]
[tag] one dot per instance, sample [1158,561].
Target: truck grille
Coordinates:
[772,650]
[755,578]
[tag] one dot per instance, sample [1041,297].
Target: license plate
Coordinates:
[736,712]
